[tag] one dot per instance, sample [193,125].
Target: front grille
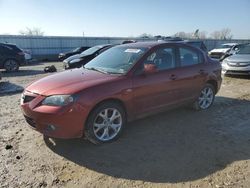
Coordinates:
[30,121]
[27,98]
[238,64]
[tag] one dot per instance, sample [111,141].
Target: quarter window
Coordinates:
[188,57]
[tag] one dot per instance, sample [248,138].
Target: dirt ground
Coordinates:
[178,148]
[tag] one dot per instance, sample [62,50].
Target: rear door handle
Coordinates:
[202,71]
[173,77]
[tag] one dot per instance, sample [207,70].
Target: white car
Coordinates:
[239,63]
[228,48]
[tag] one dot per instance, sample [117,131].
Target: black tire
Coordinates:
[11,65]
[93,117]
[197,105]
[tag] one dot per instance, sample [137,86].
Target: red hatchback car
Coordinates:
[124,83]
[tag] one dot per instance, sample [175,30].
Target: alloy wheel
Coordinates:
[107,124]
[206,98]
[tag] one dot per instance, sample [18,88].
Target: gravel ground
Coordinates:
[179,148]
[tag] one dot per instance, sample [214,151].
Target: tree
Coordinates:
[222,34]
[32,31]
[145,36]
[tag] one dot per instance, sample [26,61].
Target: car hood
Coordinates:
[69,82]
[239,58]
[220,50]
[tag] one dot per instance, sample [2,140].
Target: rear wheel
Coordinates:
[206,98]
[105,123]
[11,65]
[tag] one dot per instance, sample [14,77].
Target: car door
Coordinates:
[191,72]
[155,91]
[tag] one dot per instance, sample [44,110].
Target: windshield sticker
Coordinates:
[132,50]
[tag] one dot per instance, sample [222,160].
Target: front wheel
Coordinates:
[11,65]
[105,123]
[206,98]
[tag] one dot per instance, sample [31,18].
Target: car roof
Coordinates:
[151,44]
[230,44]
[103,45]
[7,44]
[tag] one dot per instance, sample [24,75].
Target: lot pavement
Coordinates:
[178,148]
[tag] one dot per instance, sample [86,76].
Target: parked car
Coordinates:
[11,57]
[27,55]
[128,41]
[238,63]
[197,43]
[63,56]
[79,60]
[122,84]
[228,48]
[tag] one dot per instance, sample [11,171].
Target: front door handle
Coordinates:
[202,72]
[173,77]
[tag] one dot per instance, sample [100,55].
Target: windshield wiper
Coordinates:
[95,69]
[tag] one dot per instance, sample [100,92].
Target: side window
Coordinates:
[163,58]
[189,57]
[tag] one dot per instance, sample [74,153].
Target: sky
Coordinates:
[125,18]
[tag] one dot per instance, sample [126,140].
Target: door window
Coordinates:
[163,59]
[189,57]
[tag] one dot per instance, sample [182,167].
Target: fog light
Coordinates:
[51,128]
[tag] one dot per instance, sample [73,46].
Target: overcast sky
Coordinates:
[125,17]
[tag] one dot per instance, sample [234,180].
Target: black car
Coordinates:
[79,60]
[78,50]
[11,57]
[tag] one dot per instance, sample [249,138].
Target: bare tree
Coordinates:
[222,34]
[32,31]
[183,34]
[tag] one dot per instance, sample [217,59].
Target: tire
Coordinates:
[11,65]
[206,98]
[100,128]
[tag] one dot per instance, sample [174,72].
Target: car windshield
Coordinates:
[76,50]
[244,49]
[118,60]
[91,50]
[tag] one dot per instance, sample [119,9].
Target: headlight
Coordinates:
[75,61]
[58,100]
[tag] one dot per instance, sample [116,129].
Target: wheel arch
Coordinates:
[115,100]
[213,83]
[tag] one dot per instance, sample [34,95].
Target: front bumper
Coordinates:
[57,122]
[236,69]
[216,55]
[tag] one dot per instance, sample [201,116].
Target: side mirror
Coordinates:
[149,68]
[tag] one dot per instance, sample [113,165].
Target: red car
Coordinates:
[124,83]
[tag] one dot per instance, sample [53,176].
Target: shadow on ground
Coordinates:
[239,76]
[175,146]
[7,88]
[22,72]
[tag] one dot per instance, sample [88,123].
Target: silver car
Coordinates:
[238,63]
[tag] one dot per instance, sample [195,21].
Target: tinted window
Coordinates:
[188,57]
[91,50]
[163,58]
